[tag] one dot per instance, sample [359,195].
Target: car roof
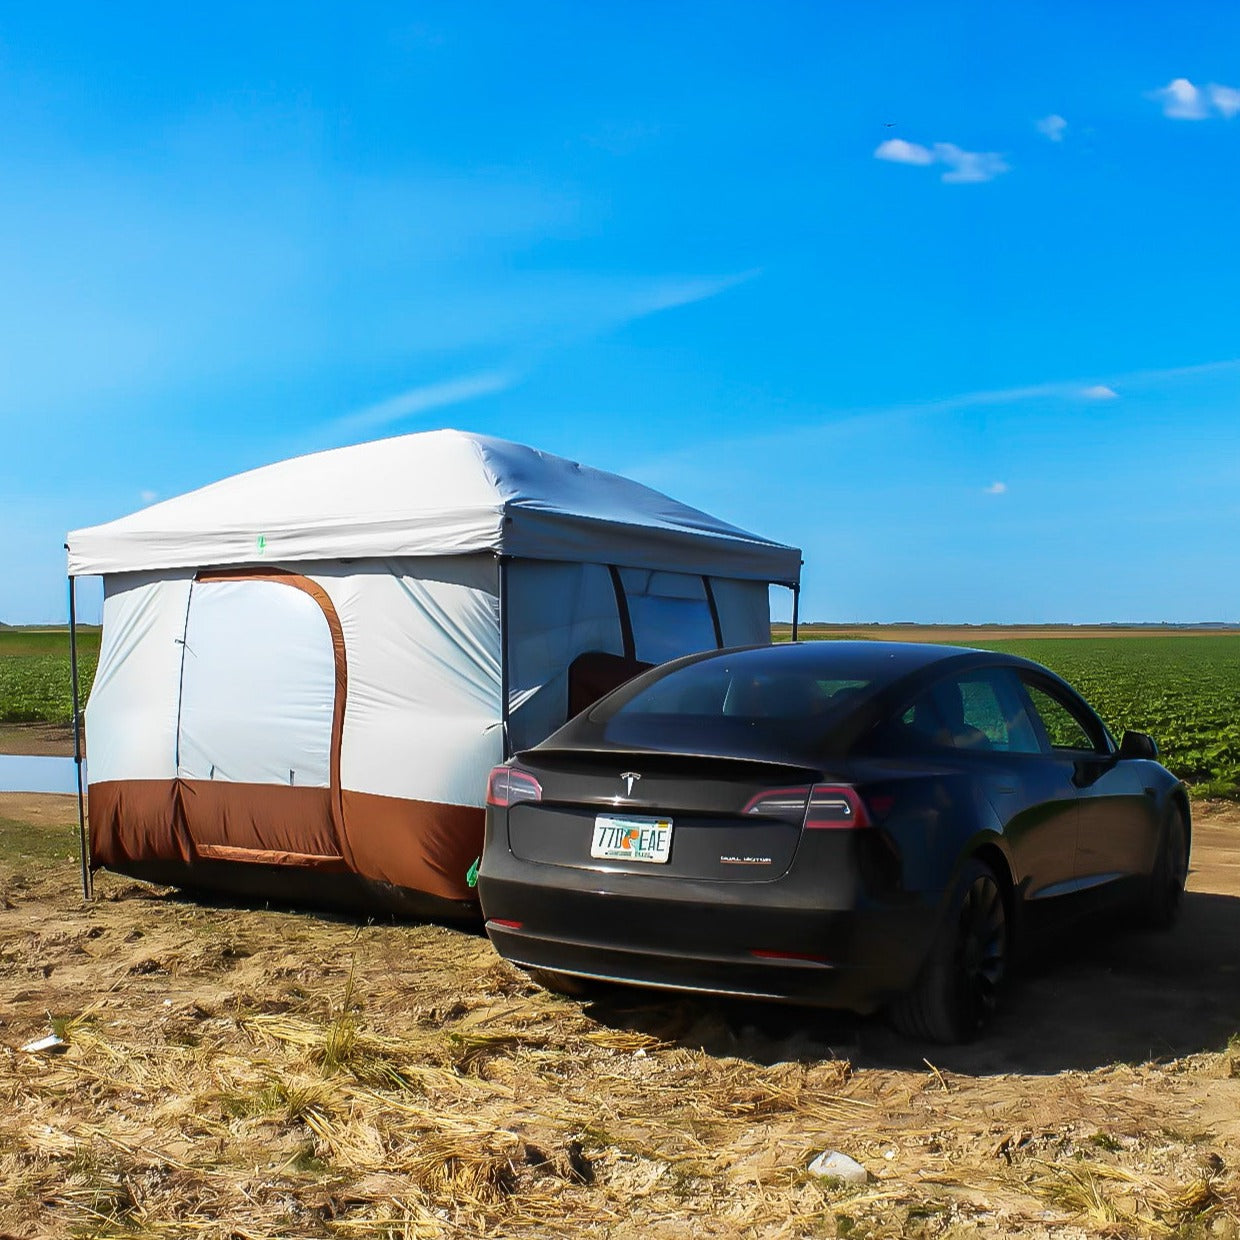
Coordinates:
[878,661]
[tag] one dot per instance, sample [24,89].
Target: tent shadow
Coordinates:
[1106,994]
[346,913]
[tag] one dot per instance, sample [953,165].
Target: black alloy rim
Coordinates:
[981,952]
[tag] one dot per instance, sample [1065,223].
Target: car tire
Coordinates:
[960,983]
[1166,891]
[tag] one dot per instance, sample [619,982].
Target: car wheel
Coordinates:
[958,989]
[1166,892]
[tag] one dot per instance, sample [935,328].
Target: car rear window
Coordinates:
[731,706]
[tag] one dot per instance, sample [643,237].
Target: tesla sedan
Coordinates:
[842,824]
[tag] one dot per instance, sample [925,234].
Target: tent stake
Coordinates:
[87,884]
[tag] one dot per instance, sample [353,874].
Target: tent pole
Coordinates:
[87,884]
[796,607]
[503,654]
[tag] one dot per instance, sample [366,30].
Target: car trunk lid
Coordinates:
[662,815]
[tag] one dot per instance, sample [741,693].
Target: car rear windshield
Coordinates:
[733,705]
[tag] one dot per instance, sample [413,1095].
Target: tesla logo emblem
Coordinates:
[630,778]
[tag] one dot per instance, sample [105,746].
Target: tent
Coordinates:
[307,670]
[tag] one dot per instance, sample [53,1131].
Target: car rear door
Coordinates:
[978,721]
[1031,791]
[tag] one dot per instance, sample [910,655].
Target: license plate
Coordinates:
[624,837]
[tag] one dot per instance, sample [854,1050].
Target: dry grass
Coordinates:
[252,1073]
[350,1106]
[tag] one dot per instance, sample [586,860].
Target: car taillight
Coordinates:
[506,786]
[787,803]
[818,807]
[835,806]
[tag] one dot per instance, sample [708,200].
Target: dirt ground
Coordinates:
[244,1072]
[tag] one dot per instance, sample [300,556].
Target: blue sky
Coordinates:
[945,295]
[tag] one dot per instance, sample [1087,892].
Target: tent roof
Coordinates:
[435,493]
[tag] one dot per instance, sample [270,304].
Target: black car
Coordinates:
[844,824]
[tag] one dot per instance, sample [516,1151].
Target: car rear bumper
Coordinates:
[776,945]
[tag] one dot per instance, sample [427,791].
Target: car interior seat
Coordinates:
[950,702]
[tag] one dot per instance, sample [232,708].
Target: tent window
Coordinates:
[744,611]
[671,614]
[556,612]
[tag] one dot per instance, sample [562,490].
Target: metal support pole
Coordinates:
[87,882]
[796,607]
[503,654]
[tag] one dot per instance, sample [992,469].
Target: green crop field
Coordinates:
[34,673]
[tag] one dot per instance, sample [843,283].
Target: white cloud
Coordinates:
[968,166]
[1052,126]
[996,488]
[1226,99]
[963,167]
[422,400]
[148,497]
[1182,101]
[900,152]
[1099,391]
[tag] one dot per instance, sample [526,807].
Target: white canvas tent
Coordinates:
[313,665]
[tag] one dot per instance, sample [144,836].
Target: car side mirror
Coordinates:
[1138,745]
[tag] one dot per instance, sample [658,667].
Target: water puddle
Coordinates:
[19,773]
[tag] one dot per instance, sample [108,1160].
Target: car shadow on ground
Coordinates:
[1101,995]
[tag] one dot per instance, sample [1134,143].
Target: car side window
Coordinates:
[1064,728]
[980,711]
[994,707]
